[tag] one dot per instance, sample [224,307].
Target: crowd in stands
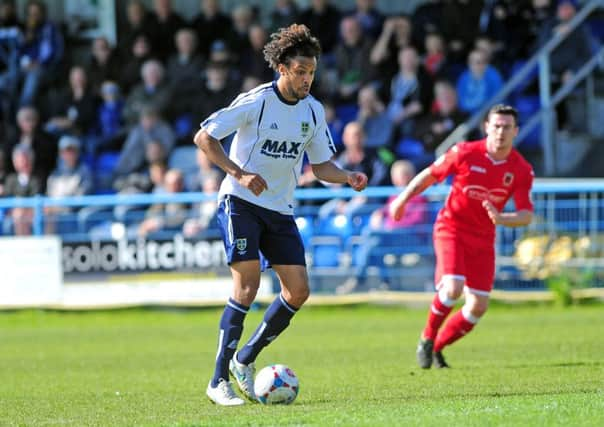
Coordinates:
[122,118]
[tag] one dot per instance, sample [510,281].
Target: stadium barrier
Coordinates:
[102,263]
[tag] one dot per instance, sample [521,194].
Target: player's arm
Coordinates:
[216,154]
[508,219]
[418,184]
[330,172]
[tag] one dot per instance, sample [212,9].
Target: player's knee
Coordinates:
[298,296]
[246,293]
[454,288]
[478,308]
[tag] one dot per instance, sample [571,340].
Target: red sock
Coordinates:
[456,327]
[436,316]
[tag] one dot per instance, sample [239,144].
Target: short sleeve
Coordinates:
[321,147]
[446,164]
[522,193]
[227,120]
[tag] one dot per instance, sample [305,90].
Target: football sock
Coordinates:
[439,310]
[459,325]
[276,319]
[231,327]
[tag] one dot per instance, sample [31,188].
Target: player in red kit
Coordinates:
[487,173]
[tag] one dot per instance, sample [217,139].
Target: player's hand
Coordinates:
[493,213]
[357,180]
[253,182]
[397,208]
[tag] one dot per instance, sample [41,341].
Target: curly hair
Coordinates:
[289,42]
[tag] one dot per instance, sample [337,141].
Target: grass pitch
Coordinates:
[522,366]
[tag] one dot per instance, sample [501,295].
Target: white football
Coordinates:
[276,384]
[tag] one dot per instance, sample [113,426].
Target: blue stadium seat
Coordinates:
[185,159]
[336,225]
[103,171]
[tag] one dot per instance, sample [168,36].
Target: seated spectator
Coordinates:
[252,62]
[401,173]
[211,24]
[434,128]
[242,18]
[395,35]
[410,93]
[206,169]
[374,120]
[139,22]
[416,212]
[40,53]
[206,210]
[22,183]
[217,92]
[283,14]
[355,158]
[70,178]
[111,131]
[73,110]
[478,84]
[323,20]
[352,60]
[43,145]
[186,66]
[154,92]
[165,23]
[151,129]
[370,18]
[140,52]
[103,64]
[435,58]
[166,216]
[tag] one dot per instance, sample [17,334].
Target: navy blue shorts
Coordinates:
[252,232]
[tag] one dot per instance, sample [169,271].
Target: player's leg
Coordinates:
[240,234]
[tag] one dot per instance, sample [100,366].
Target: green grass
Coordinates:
[522,366]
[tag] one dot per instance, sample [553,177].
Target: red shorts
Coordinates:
[465,257]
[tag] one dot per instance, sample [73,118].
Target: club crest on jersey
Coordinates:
[508,178]
[241,245]
[304,126]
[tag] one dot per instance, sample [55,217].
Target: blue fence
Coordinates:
[567,233]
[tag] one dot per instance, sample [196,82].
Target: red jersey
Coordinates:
[478,177]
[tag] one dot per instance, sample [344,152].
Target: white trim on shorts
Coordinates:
[476,291]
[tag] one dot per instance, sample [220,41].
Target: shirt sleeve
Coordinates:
[522,194]
[227,120]
[446,164]
[321,147]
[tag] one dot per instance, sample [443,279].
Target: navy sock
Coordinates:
[231,327]
[276,319]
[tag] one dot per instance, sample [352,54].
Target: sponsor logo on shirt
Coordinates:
[281,149]
[478,169]
[478,192]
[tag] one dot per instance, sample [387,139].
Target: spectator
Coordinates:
[140,52]
[401,173]
[410,93]
[374,120]
[252,62]
[369,17]
[70,178]
[40,53]
[322,19]
[22,183]
[478,84]
[355,158]
[352,60]
[283,14]
[434,128]
[103,64]
[30,134]
[73,110]
[435,58]
[139,23]
[185,67]
[166,216]
[217,92]
[2,173]
[211,24]
[395,35]
[427,19]
[153,92]
[206,210]
[165,23]
[205,170]
[460,26]
[151,128]
[111,131]
[238,41]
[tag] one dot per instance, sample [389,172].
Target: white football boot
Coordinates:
[223,394]
[244,375]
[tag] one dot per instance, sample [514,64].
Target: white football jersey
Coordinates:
[272,136]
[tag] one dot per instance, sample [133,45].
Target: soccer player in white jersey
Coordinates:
[275,124]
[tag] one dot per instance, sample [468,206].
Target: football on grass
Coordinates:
[276,384]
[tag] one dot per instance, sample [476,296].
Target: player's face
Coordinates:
[501,130]
[298,76]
